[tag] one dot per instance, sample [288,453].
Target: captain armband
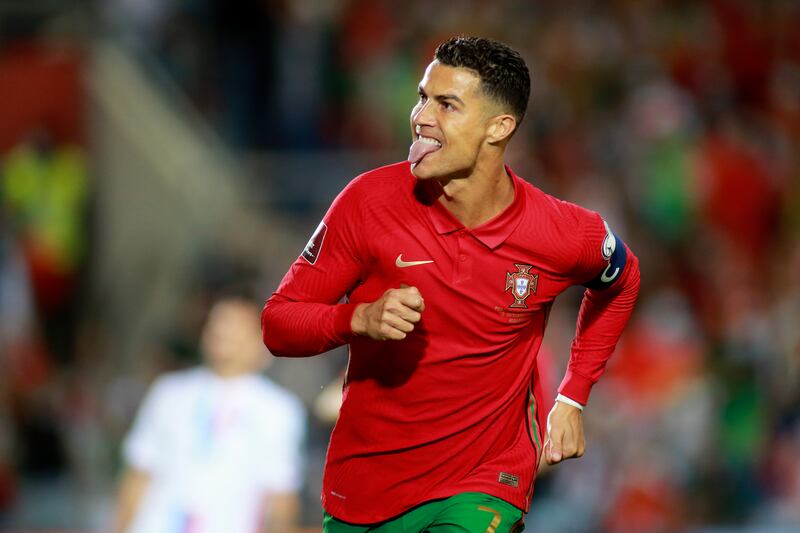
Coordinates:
[614,252]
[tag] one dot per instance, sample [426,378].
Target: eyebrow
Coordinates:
[442,97]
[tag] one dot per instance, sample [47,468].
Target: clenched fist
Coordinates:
[390,317]
[564,434]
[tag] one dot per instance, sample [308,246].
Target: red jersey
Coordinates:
[454,406]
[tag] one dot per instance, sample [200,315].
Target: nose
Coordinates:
[422,114]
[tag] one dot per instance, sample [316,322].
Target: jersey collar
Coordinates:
[491,233]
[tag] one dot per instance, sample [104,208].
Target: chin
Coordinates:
[420,174]
[424,171]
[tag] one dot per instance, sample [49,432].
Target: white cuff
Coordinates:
[569,401]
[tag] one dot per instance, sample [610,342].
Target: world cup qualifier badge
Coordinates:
[522,284]
[314,247]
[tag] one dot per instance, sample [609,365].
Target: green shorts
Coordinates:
[468,512]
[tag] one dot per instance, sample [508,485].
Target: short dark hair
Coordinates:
[503,73]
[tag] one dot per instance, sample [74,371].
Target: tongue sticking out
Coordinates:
[418,150]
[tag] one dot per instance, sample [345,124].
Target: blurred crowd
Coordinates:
[45,196]
[679,121]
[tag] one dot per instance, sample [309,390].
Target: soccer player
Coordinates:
[450,264]
[217,448]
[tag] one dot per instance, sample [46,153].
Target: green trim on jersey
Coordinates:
[535,427]
[468,512]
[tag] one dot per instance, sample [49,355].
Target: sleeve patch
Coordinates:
[613,250]
[314,246]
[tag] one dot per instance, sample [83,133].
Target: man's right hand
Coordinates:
[390,317]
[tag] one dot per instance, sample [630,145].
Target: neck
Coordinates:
[479,197]
[228,374]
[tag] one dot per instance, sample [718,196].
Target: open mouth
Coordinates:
[421,147]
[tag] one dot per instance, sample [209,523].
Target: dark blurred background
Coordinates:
[154,152]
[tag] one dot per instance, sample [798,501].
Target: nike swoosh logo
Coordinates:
[403,264]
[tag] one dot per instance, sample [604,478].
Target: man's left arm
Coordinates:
[605,310]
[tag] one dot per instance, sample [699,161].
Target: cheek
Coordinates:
[468,137]
[476,135]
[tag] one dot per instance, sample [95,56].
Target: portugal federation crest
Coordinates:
[522,283]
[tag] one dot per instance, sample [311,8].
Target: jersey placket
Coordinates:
[462,270]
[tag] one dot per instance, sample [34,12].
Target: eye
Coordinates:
[422,96]
[448,106]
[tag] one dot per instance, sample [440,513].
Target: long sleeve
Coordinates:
[606,307]
[300,329]
[304,317]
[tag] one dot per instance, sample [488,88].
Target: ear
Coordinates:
[500,128]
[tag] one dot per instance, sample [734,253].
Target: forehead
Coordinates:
[444,79]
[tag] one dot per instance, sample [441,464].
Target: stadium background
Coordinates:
[155,151]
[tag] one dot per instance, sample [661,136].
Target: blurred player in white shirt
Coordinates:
[215,449]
